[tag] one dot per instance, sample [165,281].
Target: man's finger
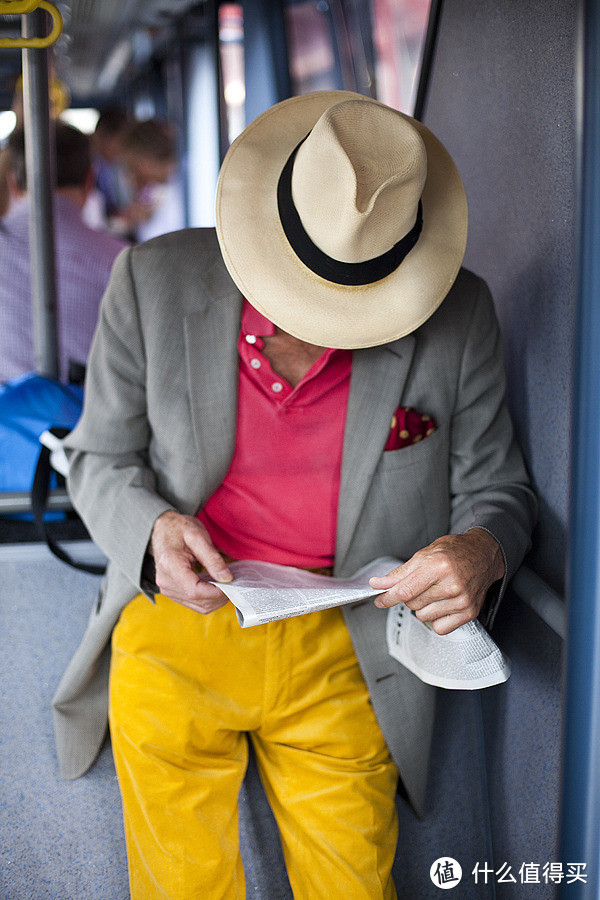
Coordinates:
[177,579]
[410,588]
[446,624]
[204,607]
[207,554]
[437,609]
[436,593]
[382,582]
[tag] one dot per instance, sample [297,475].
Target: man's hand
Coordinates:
[446,582]
[178,543]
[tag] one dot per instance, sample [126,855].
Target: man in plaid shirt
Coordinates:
[84,258]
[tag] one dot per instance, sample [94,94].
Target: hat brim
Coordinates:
[268,273]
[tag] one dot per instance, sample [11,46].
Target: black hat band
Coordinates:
[325,266]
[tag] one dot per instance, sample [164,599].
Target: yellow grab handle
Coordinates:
[17,7]
[36,43]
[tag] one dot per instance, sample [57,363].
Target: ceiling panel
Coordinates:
[102,36]
[100,39]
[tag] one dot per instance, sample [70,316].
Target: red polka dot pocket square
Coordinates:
[408,427]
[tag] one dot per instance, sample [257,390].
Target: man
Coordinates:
[83,259]
[107,150]
[150,162]
[109,195]
[221,420]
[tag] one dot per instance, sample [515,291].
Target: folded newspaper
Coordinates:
[466,658]
[264,592]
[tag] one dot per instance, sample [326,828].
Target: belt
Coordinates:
[317,570]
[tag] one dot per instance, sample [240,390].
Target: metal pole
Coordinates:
[580,816]
[427,58]
[40,180]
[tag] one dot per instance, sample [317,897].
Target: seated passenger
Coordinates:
[84,258]
[109,195]
[256,416]
[150,161]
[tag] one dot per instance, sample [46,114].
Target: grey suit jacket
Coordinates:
[157,432]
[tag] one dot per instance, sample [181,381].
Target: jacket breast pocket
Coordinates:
[412,485]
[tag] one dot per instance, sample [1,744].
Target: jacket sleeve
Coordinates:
[489,484]
[110,481]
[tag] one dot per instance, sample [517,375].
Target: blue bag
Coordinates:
[29,405]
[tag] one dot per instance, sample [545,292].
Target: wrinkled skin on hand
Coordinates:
[446,582]
[178,544]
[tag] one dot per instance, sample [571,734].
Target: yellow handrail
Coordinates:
[8,6]
[17,7]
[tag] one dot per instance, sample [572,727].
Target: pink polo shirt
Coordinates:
[278,501]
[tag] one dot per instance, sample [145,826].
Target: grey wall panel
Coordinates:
[502,99]
[523,722]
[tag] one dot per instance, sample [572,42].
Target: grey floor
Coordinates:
[64,840]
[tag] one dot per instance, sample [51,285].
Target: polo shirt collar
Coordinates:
[254,322]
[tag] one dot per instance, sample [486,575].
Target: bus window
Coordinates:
[231,58]
[8,121]
[398,35]
[311,44]
[374,48]
[85,119]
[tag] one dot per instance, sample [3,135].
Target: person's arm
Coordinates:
[111,482]
[447,582]
[178,544]
[461,574]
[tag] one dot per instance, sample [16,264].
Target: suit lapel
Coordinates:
[211,338]
[377,382]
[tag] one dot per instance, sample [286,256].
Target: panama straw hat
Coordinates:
[341,220]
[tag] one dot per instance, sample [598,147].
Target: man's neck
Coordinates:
[290,357]
[76,195]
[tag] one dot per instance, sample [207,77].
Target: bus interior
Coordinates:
[513,91]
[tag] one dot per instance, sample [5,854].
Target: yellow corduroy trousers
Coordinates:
[185,690]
